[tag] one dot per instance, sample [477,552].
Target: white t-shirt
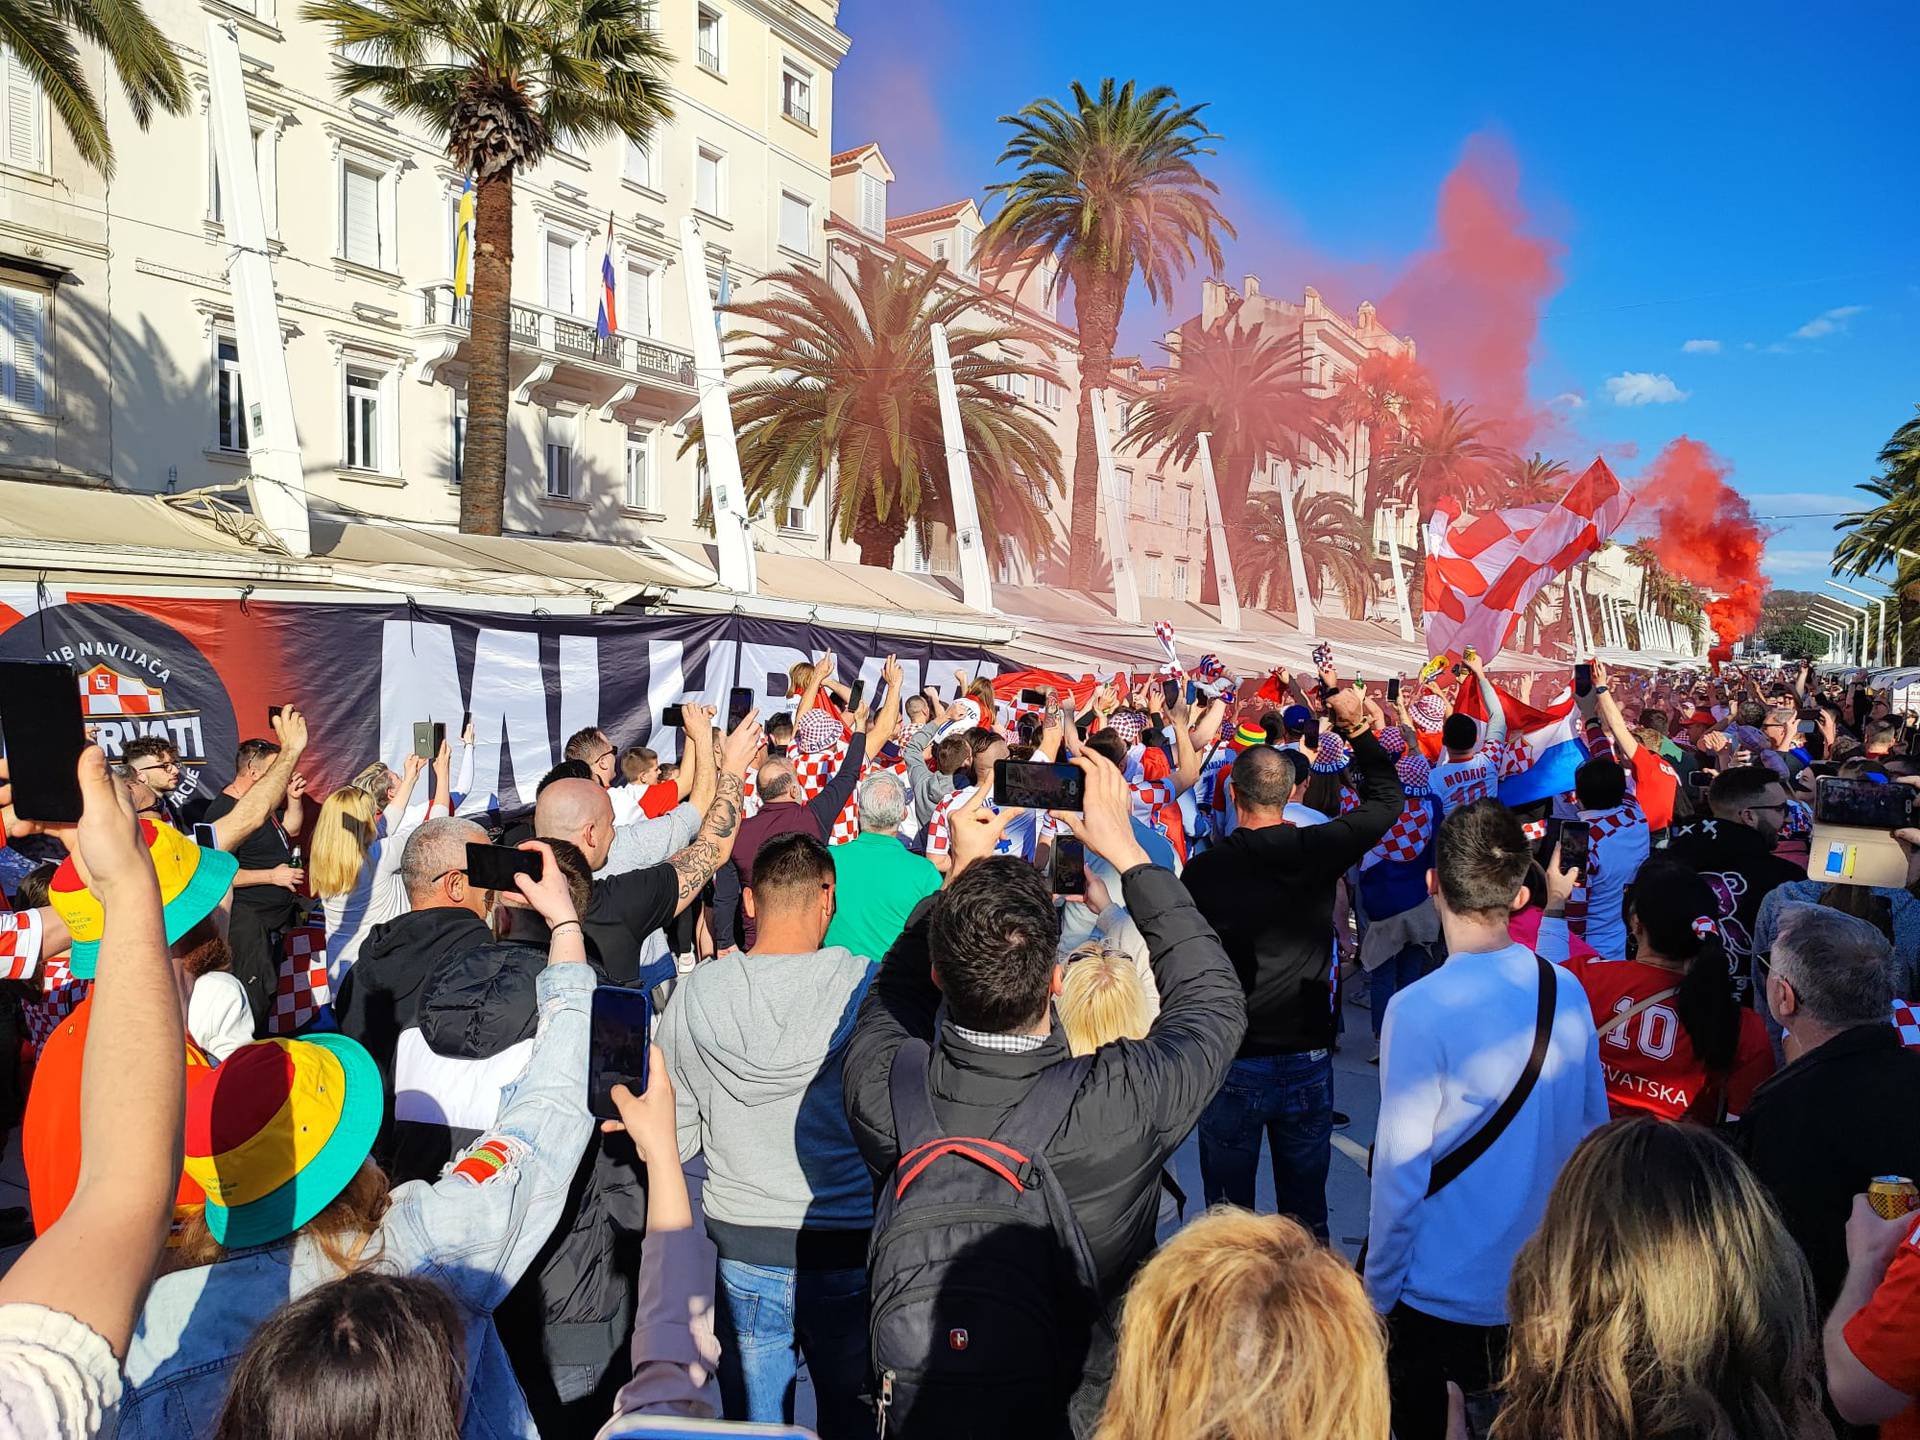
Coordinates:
[57,1375]
[1302,815]
[1461,782]
[219,1018]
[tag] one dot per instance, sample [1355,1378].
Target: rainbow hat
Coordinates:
[193,882]
[279,1132]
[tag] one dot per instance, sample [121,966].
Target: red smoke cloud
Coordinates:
[1472,304]
[1703,531]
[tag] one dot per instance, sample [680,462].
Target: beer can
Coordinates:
[1892,1196]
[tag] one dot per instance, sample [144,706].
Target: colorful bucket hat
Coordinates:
[279,1132]
[192,882]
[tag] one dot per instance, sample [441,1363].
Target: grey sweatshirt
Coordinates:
[753,1044]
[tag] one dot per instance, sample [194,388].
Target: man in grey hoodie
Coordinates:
[753,1043]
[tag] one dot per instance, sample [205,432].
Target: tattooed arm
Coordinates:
[713,846]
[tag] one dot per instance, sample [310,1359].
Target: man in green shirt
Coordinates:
[877,879]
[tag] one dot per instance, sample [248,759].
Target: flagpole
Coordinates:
[732,529]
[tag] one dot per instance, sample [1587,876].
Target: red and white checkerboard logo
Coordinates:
[105,691]
[302,992]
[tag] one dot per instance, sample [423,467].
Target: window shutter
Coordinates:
[637,310]
[22,115]
[559,274]
[361,197]
[873,205]
[22,327]
[796,223]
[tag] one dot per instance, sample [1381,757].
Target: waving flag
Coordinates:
[1542,748]
[463,243]
[608,322]
[1484,570]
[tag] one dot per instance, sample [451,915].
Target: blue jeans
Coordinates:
[1290,1097]
[1390,977]
[767,1317]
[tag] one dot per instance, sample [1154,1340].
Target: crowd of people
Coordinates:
[920,1060]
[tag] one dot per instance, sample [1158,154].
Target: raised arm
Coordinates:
[713,846]
[1624,743]
[411,769]
[1490,697]
[887,723]
[696,756]
[819,671]
[251,810]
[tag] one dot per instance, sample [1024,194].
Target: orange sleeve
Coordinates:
[657,800]
[1656,786]
[1885,1335]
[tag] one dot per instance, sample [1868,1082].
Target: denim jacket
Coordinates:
[476,1237]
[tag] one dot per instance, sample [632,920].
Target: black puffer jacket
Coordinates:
[567,1323]
[1135,1108]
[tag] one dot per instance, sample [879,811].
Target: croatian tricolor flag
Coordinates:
[608,323]
[1541,750]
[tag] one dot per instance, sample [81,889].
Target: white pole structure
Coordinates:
[1846,617]
[276,479]
[1880,638]
[732,529]
[1833,636]
[1582,640]
[1403,611]
[1217,538]
[976,578]
[1126,594]
[1302,603]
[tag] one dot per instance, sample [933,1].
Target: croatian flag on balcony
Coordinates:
[608,323]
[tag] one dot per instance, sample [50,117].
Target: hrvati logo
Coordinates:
[137,676]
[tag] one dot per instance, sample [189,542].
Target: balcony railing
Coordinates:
[553,333]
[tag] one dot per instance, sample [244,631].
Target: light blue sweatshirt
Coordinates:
[1453,1047]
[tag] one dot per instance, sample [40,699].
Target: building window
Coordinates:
[230,400]
[362,235]
[873,205]
[796,223]
[797,513]
[23,124]
[459,437]
[1183,507]
[638,305]
[702,486]
[1154,488]
[709,45]
[563,278]
[363,419]
[796,93]
[1179,579]
[640,164]
[1123,490]
[560,447]
[710,181]
[23,345]
[1152,568]
[940,249]
[919,560]
[639,472]
[969,262]
[263,138]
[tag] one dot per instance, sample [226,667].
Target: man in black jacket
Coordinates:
[988,944]
[1842,1111]
[1268,889]
[1732,850]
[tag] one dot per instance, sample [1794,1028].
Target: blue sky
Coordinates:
[1741,176]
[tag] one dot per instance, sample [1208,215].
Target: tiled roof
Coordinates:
[923,217]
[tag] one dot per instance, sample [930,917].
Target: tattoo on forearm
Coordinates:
[695,866]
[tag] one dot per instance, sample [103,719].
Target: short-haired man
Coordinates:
[879,881]
[984,952]
[754,1044]
[155,762]
[601,756]
[1732,849]
[1471,769]
[1841,1110]
[1453,1048]
[1268,891]
[1618,843]
[1655,783]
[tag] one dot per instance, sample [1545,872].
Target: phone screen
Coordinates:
[1583,680]
[1393,691]
[1069,867]
[779,685]
[617,1039]
[739,702]
[1033,697]
[853,696]
[40,717]
[492,867]
[1170,692]
[1861,804]
[673,717]
[1575,840]
[206,837]
[1036,785]
[273,713]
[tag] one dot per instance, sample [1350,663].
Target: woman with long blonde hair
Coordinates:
[1661,1296]
[1101,999]
[1244,1327]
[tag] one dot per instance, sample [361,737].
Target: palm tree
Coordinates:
[1110,188]
[40,33]
[1876,536]
[1333,547]
[1534,481]
[1247,389]
[506,80]
[1446,454]
[835,379]
[1383,395]
[1642,554]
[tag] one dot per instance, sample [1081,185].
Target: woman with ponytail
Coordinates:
[1675,1041]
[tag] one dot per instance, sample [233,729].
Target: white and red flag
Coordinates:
[1484,570]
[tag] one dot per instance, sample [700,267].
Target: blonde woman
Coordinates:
[1661,1296]
[1244,1327]
[353,863]
[1101,999]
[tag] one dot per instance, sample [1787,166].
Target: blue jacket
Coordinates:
[475,1238]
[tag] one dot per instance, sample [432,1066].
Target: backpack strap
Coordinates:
[1614,1022]
[1449,1167]
[1043,1110]
[910,1090]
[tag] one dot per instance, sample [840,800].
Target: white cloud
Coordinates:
[1701,347]
[1783,561]
[1572,399]
[1638,387]
[1828,322]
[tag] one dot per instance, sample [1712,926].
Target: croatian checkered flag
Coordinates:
[303,991]
[1164,632]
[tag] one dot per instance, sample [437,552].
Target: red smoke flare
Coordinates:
[1703,531]
[1473,303]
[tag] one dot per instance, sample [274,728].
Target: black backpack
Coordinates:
[984,1293]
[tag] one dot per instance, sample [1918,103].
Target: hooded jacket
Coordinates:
[755,1044]
[566,1324]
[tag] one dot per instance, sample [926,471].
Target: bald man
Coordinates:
[626,909]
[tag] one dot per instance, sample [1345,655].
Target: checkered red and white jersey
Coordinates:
[60,996]
[1022,835]
[303,992]
[1907,1022]
[816,769]
[846,825]
[20,935]
[1407,840]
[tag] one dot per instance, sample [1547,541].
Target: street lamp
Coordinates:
[1851,614]
[1880,642]
[1837,622]
[1899,626]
